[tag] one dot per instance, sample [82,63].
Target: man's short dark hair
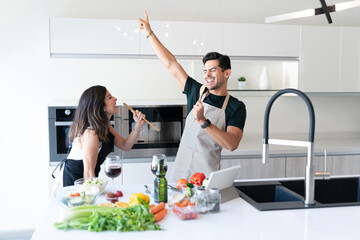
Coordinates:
[224,61]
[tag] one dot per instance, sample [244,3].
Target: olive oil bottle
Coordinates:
[160,183]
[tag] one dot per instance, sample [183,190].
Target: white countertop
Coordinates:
[237,220]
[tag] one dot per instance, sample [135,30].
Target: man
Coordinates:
[217,119]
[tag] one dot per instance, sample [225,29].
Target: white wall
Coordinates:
[31,81]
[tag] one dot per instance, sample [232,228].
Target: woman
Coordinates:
[92,136]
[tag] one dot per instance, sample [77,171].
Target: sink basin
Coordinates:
[269,195]
[289,194]
[332,191]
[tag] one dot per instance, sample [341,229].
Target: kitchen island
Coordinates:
[237,220]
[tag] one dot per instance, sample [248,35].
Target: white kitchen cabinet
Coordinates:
[319,67]
[350,60]
[75,36]
[261,40]
[185,38]
[253,168]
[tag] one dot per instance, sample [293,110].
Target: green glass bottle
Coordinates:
[160,183]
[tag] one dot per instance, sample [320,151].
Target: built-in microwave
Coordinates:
[170,119]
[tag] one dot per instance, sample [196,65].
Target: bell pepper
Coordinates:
[197,178]
[181,183]
[139,198]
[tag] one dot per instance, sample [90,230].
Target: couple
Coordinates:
[215,120]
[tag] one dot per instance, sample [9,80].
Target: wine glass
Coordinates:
[155,163]
[113,168]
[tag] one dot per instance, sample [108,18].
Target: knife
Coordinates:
[131,109]
[174,188]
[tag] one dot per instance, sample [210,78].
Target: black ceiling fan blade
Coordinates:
[326,11]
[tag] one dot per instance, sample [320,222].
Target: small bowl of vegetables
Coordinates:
[72,196]
[92,181]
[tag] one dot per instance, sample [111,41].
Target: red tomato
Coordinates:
[75,194]
[181,183]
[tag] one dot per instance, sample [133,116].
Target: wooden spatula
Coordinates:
[130,108]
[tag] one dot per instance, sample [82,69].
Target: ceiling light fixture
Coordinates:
[324,9]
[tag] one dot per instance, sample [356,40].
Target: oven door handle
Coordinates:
[70,123]
[63,123]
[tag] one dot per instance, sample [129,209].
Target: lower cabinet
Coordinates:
[336,165]
[345,165]
[140,173]
[253,168]
[295,166]
[286,167]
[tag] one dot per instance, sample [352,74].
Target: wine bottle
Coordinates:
[160,184]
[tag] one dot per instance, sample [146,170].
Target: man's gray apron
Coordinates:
[198,151]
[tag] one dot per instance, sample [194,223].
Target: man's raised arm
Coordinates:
[165,56]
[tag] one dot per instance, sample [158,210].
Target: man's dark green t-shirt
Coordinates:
[235,112]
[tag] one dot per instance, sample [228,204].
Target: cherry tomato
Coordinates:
[75,194]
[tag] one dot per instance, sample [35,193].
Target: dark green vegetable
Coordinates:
[100,218]
[189,190]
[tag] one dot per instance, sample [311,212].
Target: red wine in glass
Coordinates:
[113,168]
[113,172]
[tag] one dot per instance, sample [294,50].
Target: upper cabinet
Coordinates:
[69,36]
[350,60]
[310,58]
[261,40]
[185,38]
[93,37]
[319,67]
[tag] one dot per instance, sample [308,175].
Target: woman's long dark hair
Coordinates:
[90,113]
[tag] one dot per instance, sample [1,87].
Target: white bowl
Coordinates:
[72,196]
[92,181]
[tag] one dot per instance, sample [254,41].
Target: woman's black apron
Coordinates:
[74,169]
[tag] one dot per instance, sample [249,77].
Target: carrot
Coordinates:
[160,215]
[157,208]
[152,206]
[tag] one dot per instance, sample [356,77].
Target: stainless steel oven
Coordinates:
[60,120]
[170,119]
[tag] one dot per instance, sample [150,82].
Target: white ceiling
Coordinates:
[239,11]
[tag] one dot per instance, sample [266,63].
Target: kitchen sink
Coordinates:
[289,194]
[269,195]
[332,191]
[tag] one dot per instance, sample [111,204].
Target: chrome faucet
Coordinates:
[309,170]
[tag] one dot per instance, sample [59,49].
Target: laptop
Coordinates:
[223,180]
